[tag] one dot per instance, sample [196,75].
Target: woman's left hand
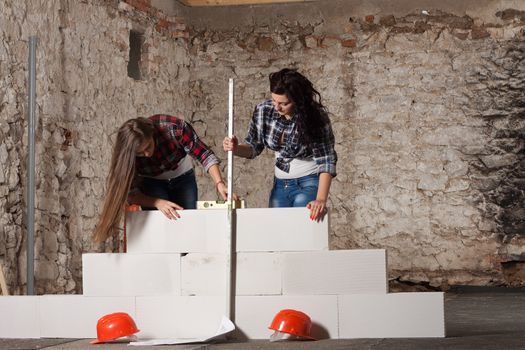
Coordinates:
[317,209]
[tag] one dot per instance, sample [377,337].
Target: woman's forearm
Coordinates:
[215,174]
[325,180]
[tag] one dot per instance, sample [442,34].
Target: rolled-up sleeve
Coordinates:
[255,137]
[196,148]
[324,152]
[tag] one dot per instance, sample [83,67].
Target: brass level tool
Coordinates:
[238,204]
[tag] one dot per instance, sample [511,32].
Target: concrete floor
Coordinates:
[490,319]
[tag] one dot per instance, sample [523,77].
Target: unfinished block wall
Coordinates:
[427,108]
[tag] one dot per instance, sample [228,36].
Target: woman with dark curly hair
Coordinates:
[295,125]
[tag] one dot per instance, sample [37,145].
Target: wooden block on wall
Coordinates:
[19,317]
[395,315]
[335,272]
[255,313]
[179,316]
[76,316]
[131,274]
[280,229]
[195,231]
[258,273]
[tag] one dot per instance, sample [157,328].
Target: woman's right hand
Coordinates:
[230,144]
[169,209]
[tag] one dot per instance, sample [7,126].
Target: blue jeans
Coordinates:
[181,190]
[294,192]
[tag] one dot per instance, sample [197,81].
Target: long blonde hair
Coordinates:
[131,135]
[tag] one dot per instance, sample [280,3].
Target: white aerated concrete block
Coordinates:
[19,317]
[257,273]
[335,272]
[76,316]
[280,229]
[396,315]
[149,231]
[179,316]
[129,274]
[203,274]
[254,314]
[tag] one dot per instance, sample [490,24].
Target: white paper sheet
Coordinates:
[225,327]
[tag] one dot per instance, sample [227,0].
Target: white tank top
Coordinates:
[183,166]
[299,167]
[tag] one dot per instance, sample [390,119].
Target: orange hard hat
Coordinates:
[114,326]
[292,322]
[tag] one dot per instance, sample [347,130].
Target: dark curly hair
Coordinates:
[306,99]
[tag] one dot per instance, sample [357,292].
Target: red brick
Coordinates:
[479,33]
[349,43]
[161,25]
[141,5]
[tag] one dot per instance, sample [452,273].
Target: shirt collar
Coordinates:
[277,116]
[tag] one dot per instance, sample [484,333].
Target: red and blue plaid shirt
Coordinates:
[174,139]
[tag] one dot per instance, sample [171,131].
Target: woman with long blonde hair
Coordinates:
[151,167]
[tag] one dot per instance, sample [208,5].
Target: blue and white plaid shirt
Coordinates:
[266,128]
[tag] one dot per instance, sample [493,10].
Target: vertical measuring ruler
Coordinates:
[230,245]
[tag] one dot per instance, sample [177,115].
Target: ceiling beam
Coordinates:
[195,3]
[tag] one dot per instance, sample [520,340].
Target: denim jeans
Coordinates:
[294,192]
[181,190]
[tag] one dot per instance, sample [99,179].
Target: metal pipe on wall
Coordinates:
[31,167]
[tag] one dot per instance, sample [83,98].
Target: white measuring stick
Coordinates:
[230,276]
[230,135]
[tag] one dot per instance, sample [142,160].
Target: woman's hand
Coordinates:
[223,191]
[169,209]
[317,209]
[230,144]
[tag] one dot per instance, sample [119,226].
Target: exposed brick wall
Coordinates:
[410,98]
[427,110]
[83,95]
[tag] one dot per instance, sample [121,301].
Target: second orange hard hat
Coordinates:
[114,326]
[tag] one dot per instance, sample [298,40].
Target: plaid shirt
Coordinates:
[174,139]
[266,128]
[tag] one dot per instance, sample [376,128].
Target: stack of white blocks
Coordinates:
[172,281]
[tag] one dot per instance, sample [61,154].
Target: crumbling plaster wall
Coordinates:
[427,111]
[83,95]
